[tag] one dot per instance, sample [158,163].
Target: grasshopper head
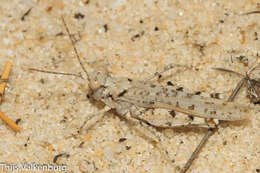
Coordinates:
[97,79]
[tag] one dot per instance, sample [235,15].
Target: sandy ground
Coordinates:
[136,39]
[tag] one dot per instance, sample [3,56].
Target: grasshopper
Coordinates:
[133,96]
[139,99]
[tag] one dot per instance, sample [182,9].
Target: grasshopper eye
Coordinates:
[97,80]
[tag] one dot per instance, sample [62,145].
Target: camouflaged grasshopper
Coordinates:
[137,99]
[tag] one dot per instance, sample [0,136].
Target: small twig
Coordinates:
[26,14]
[197,150]
[251,12]
[230,71]
[253,85]
[4,78]
[55,159]
[9,122]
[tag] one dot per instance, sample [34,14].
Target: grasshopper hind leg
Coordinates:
[161,118]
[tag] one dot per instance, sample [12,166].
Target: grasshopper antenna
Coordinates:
[74,47]
[77,55]
[53,72]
